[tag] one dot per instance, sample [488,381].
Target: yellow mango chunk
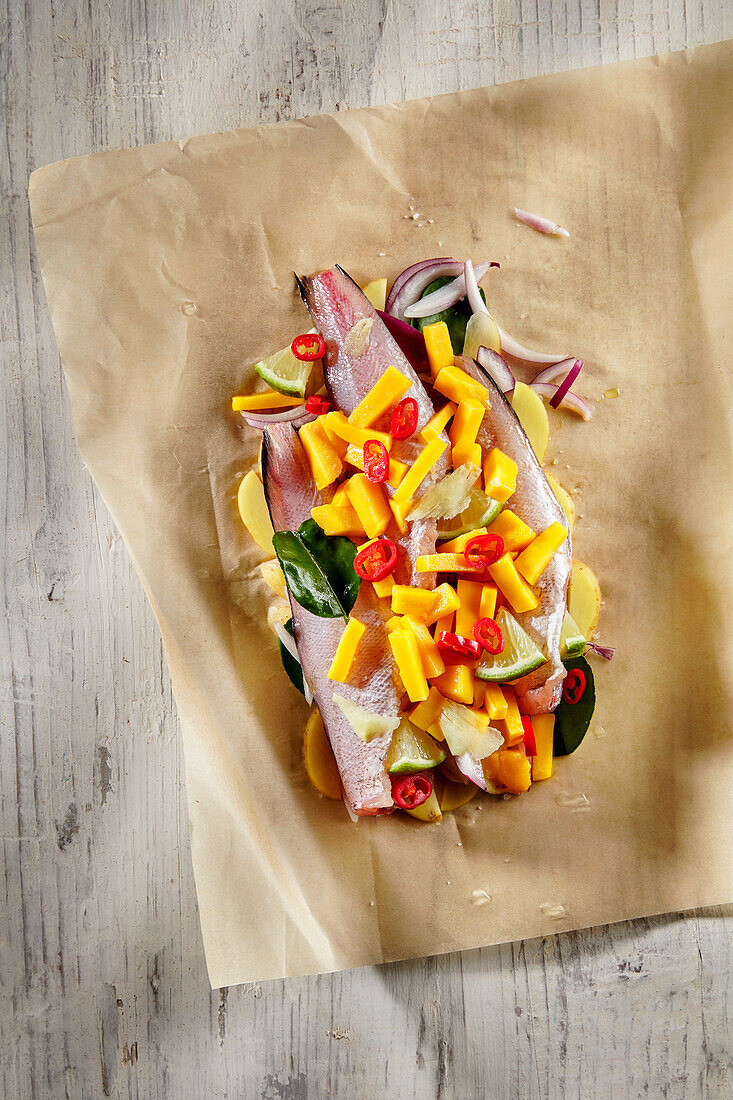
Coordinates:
[511,725]
[509,768]
[435,731]
[446,600]
[433,663]
[458,386]
[467,615]
[396,472]
[487,607]
[544,735]
[250,402]
[495,703]
[533,561]
[516,534]
[338,519]
[376,293]
[337,423]
[406,653]
[500,475]
[446,563]
[532,415]
[384,587]
[254,511]
[339,445]
[399,510]
[318,758]
[427,713]
[438,421]
[471,456]
[459,544]
[419,470]
[272,575]
[407,600]
[521,597]
[584,598]
[323,460]
[370,504]
[438,346]
[464,430]
[456,683]
[346,651]
[563,498]
[385,393]
[479,691]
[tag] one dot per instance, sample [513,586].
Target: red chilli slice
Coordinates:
[530,744]
[484,550]
[317,404]
[449,642]
[376,561]
[404,418]
[308,347]
[376,461]
[410,791]
[489,634]
[573,688]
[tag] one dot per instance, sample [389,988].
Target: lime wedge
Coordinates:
[284,372]
[412,751]
[572,642]
[519,656]
[481,511]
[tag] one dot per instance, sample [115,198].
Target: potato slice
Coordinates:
[278,612]
[376,292]
[456,794]
[272,575]
[584,598]
[254,513]
[532,415]
[319,760]
[563,499]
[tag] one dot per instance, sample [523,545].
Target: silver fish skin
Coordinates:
[336,305]
[291,493]
[535,503]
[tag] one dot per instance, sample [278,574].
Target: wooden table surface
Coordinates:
[102,976]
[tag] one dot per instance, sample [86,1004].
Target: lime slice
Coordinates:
[284,372]
[519,656]
[481,511]
[412,751]
[572,642]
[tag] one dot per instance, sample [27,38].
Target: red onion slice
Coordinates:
[606,651]
[411,342]
[572,401]
[552,373]
[442,298]
[414,269]
[513,347]
[542,225]
[497,368]
[475,300]
[297,417]
[289,642]
[566,383]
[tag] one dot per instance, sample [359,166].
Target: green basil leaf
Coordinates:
[291,666]
[573,719]
[456,317]
[318,569]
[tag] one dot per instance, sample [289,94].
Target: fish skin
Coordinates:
[336,303]
[535,503]
[290,494]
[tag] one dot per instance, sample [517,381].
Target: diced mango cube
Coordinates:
[509,768]
[339,445]
[467,615]
[446,601]
[500,475]
[495,703]
[425,714]
[459,544]
[407,600]
[469,456]
[252,402]
[456,683]
[346,651]
[384,587]
[458,386]
[396,472]
[516,534]
[511,726]
[438,346]
[464,430]
[385,393]
[323,460]
[335,519]
[399,509]
[520,595]
[433,663]
[479,692]
[406,652]
[438,421]
[370,504]
[533,561]
[337,423]
[544,735]
[420,468]
[446,563]
[487,608]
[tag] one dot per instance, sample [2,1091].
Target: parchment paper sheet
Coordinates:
[168,271]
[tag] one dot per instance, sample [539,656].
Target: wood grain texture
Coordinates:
[102,978]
